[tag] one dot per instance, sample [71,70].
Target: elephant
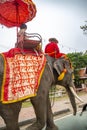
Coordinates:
[41,102]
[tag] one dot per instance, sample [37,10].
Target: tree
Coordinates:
[79,60]
[84,28]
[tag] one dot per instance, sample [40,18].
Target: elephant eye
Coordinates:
[64,65]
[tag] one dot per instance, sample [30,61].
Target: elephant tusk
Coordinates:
[75,94]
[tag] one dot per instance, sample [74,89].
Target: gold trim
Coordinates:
[4,77]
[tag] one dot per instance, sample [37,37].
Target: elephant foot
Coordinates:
[35,126]
[52,128]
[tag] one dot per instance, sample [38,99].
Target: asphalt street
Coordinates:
[71,122]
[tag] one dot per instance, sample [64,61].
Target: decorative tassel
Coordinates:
[61,76]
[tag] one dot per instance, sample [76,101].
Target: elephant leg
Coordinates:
[50,122]
[39,104]
[10,115]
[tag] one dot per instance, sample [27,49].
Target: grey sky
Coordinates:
[55,18]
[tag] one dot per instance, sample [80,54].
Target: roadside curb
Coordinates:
[61,112]
[81,105]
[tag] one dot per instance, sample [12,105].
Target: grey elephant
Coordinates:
[41,102]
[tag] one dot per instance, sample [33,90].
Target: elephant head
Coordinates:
[62,66]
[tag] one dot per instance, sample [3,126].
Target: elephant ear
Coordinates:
[67,64]
[62,66]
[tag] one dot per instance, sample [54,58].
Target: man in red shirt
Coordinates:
[52,48]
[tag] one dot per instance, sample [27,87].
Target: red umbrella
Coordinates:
[15,12]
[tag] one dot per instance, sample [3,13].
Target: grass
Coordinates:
[64,97]
[27,103]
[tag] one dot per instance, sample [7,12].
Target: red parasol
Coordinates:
[15,12]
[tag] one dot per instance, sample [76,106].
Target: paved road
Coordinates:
[71,122]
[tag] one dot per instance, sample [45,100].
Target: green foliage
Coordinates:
[84,28]
[79,60]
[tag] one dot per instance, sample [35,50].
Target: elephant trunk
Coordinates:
[72,95]
[72,100]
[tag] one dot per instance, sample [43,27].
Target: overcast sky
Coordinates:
[54,18]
